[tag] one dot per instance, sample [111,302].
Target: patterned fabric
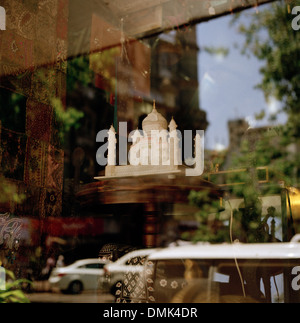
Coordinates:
[45,44]
[44,168]
[134,286]
[35,161]
[14,81]
[38,121]
[51,203]
[33,62]
[61,59]
[61,84]
[17,50]
[13,151]
[149,274]
[62,19]
[21,17]
[139,286]
[44,85]
[54,168]
[31,206]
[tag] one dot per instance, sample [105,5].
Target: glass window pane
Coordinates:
[136,124]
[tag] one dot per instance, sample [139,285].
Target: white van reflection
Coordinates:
[239,273]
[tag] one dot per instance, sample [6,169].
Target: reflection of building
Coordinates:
[237,130]
[174,78]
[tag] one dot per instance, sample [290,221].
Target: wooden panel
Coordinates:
[126,7]
[145,17]
[144,21]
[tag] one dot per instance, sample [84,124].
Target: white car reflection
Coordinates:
[81,275]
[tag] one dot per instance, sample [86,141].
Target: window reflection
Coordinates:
[69,71]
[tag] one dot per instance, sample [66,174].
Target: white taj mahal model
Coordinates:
[154,150]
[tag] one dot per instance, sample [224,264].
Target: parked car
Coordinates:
[224,273]
[81,275]
[116,272]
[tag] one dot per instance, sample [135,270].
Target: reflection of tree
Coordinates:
[249,226]
[65,118]
[9,192]
[211,227]
[269,37]
[78,73]
[104,64]
[12,112]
